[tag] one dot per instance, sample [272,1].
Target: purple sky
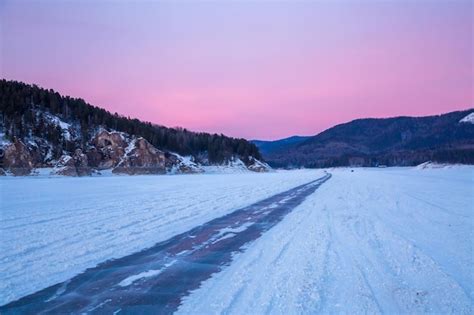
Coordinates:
[253,69]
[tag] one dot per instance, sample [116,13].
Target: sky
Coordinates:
[252,69]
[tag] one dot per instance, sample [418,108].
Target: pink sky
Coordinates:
[259,70]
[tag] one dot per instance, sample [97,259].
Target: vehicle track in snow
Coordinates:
[358,245]
[53,229]
[155,280]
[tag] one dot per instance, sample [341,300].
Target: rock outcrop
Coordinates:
[76,165]
[258,166]
[108,149]
[17,158]
[176,164]
[65,166]
[141,158]
[112,150]
[81,163]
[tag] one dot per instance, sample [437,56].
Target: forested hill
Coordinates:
[20,104]
[396,141]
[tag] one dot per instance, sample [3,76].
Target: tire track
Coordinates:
[156,279]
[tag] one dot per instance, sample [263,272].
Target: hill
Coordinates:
[41,128]
[397,141]
[267,147]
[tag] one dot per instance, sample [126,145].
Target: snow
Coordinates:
[44,171]
[226,233]
[388,240]
[233,166]
[53,228]
[65,127]
[435,165]
[130,147]
[184,161]
[256,165]
[372,241]
[468,119]
[147,274]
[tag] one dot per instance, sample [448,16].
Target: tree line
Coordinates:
[20,102]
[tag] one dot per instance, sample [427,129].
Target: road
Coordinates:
[155,280]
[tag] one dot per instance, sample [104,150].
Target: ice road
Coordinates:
[155,280]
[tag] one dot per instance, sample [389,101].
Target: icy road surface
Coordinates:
[52,229]
[154,281]
[396,241]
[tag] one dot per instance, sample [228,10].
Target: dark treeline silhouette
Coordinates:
[20,102]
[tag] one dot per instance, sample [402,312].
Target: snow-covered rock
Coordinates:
[64,166]
[141,158]
[76,165]
[16,158]
[258,166]
[107,149]
[177,164]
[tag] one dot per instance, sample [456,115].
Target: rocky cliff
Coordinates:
[16,158]
[39,128]
[141,158]
[106,150]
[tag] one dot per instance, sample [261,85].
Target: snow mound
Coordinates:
[468,119]
[434,165]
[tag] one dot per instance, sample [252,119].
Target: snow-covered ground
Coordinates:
[369,241]
[54,228]
[391,240]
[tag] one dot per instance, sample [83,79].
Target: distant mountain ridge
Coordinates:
[397,141]
[40,128]
[271,146]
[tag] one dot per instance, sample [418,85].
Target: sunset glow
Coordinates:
[259,70]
